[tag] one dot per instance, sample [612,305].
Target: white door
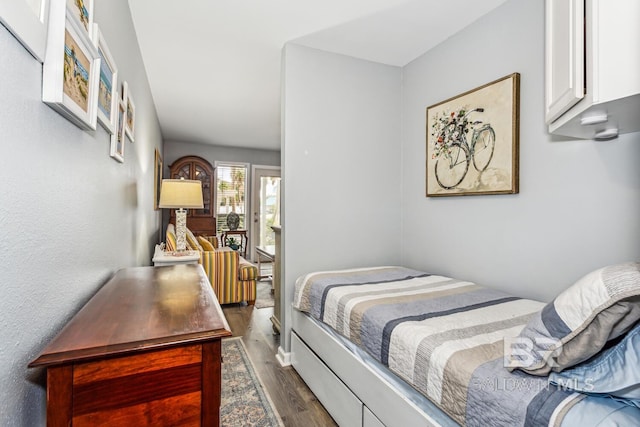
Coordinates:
[265,205]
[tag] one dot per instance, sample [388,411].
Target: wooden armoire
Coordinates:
[199,221]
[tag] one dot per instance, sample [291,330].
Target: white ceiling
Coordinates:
[214,65]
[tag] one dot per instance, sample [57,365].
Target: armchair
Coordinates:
[232,277]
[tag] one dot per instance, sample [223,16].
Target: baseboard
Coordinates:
[284,358]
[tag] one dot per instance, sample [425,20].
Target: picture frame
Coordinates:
[118,137]
[130,117]
[472,141]
[71,69]
[157,179]
[28,21]
[82,13]
[107,85]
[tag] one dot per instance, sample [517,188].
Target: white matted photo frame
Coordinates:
[108,84]
[82,12]
[27,20]
[130,117]
[118,137]
[71,69]
[473,141]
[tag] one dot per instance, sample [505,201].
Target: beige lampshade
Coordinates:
[181,193]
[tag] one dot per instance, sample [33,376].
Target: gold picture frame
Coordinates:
[473,141]
[157,179]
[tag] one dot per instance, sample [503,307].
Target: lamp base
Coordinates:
[181,229]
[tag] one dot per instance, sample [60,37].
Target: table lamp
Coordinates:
[181,194]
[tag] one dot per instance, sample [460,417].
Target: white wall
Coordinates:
[341,165]
[70,215]
[173,150]
[579,202]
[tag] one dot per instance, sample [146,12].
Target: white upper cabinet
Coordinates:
[564,66]
[592,67]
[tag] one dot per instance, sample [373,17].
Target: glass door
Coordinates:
[231,194]
[265,206]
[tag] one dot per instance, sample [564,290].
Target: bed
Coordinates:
[391,346]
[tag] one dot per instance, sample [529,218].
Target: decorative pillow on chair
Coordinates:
[212,239]
[192,242]
[171,238]
[206,245]
[613,372]
[600,307]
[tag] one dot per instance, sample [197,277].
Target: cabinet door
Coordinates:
[565,55]
[205,175]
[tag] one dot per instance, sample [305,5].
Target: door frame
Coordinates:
[254,204]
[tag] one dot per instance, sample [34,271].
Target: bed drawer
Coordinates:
[370,420]
[390,405]
[344,406]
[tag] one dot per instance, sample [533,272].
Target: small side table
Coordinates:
[244,240]
[161,257]
[267,253]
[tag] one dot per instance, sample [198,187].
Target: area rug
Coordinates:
[244,401]
[264,296]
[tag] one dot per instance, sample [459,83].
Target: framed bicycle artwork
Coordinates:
[473,141]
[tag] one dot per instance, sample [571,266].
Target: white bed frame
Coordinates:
[352,391]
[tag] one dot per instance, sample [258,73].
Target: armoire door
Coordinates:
[199,221]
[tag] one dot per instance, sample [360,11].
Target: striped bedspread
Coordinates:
[443,336]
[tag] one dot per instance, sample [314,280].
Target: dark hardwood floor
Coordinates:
[293,400]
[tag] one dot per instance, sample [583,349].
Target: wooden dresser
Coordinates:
[145,350]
